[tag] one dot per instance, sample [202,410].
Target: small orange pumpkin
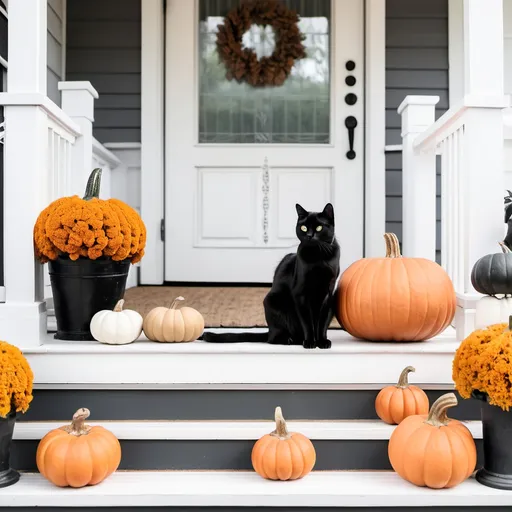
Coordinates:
[77,455]
[394,403]
[395,298]
[433,450]
[282,455]
[173,325]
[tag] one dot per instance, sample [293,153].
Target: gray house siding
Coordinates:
[55,47]
[103,46]
[416,63]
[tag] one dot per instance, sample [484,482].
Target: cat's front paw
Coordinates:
[309,344]
[325,343]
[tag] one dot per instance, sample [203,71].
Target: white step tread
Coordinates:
[229,430]
[349,362]
[223,489]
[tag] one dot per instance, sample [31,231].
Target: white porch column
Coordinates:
[23,315]
[418,179]
[78,103]
[484,166]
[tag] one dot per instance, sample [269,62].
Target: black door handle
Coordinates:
[351,123]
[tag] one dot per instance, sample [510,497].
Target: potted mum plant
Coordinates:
[482,369]
[89,244]
[15,396]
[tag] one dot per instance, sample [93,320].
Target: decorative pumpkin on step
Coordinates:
[77,455]
[433,450]
[395,298]
[173,324]
[116,327]
[283,455]
[89,227]
[492,274]
[394,403]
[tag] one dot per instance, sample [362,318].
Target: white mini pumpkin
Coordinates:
[117,327]
[492,310]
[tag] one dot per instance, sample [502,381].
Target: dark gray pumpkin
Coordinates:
[492,274]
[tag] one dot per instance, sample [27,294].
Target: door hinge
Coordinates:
[162,230]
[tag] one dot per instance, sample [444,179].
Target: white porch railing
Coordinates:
[61,138]
[469,139]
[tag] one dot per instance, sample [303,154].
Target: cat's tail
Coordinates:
[233,337]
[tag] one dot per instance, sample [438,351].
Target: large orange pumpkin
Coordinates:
[394,403]
[77,455]
[282,455]
[395,298]
[433,450]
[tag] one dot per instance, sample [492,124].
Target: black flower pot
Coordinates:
[83,287]
[497,437]
[8,476]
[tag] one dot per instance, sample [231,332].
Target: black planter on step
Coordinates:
[83,287]
[8,476]
[497,437]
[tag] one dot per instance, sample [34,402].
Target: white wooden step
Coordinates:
[247,489]
[349,363]
[229,430]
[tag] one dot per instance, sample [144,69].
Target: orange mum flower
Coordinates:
[483,362]
[89,228]
[16,379]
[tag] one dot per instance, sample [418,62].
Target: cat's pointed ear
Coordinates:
[301,212]
[328,212]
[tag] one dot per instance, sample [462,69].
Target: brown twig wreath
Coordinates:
[242,63]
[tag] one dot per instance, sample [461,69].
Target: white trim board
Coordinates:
[152,138]
[228,430]
[455,51]
[247,489]
[349,362]
[375,127]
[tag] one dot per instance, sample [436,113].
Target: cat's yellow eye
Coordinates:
[304,228]
[319,228]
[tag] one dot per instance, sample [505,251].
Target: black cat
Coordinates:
[298,307]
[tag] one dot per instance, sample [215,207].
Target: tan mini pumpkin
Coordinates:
[283,455]
[433,450]
[394,403]
[173,325]
[77,455]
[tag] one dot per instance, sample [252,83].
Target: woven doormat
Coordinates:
[229,306]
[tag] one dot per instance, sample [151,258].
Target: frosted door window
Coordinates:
[297,112]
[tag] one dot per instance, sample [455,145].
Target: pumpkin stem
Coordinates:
[78,427]
[175,302]
[119,306]
[93,185]
[504,247]
[437,417]
[281,430]
[403,381]
[392,245]
[509,328]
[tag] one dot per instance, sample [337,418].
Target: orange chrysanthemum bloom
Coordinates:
[16,379]
[89,228]
[483,362]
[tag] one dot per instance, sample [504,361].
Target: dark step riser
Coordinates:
[53,405]
[227,455]
[257,509]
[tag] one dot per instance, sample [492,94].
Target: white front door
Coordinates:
[238,158]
